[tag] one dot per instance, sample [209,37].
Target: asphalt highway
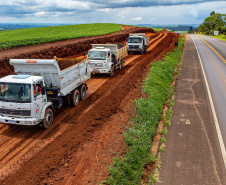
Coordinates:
[195,141]
[213,57]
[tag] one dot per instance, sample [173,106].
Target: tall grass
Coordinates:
[32,36]
[139,135]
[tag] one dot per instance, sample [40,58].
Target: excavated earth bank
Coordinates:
[63,49]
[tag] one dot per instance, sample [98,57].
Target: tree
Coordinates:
[191,30]
[212,13]
[212,23]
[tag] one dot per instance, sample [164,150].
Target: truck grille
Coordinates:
[93,65]
[133,46]
[13,112]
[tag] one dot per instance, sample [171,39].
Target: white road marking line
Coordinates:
[213,110]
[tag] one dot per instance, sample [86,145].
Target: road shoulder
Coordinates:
[191,154]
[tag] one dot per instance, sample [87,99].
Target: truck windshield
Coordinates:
[11,92]
[97,55]
[134,40]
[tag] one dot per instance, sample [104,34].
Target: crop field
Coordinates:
[33,36]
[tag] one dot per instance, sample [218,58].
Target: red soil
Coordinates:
[80,146]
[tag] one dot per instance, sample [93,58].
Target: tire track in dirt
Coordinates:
[78,133]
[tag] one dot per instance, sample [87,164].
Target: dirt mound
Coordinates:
[65,63]
[63,48]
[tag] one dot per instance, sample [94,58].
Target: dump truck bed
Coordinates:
[67,74]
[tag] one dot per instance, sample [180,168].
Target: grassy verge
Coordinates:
[32,36]
[222,37]
[139,135]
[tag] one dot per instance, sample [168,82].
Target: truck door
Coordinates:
[109,58]
[38,99]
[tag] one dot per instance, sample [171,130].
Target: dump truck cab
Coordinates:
[105,58]
[137,42]
[22,98]
[100,59]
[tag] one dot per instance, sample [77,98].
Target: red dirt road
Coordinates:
[80,145]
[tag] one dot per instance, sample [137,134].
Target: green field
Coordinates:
[158,29]
[33,36]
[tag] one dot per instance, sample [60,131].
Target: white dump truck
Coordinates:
[40,87]
[105,58]
[137,42]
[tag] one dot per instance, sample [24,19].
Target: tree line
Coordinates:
[215,22]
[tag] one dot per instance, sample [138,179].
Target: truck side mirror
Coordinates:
[43,89]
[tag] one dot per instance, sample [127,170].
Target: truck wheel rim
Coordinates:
[76,98]
[83,92]
[48,119]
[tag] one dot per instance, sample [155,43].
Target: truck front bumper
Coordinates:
[18,121]
[102,70]
[134,49]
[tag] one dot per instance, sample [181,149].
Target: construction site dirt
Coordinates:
[81,144]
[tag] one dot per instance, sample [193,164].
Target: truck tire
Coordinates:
[75,97]
[122,63]
[82,91]
[67,100]
[111,71]
[48,119]
[116,65]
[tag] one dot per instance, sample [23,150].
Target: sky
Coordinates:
[109,11]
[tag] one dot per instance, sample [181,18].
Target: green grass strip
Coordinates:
[32,36]
[139,135]
[222,37]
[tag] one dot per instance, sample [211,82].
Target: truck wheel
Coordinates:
[122,63]
[111,71]
[48,119]
[67,100]
[129,52]
[75,97]
[82,91]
